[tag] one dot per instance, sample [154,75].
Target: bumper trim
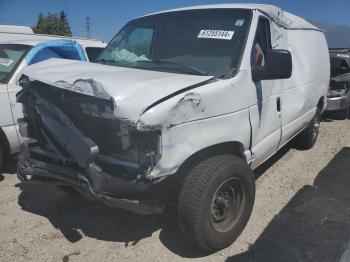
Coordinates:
[337,103]
[58,175]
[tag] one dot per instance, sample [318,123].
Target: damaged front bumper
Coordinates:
[77,140]
[35,165]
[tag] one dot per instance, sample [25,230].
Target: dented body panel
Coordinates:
[142,126]
[132,90]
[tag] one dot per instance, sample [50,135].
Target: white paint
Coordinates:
[222,110]
[216,34]
[278,15]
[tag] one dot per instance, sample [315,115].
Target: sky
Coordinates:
[108,16]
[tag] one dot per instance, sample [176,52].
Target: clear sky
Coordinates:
[108,16]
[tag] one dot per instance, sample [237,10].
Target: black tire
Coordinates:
[343,114]
[308,137]
[2,158]
[67,189]
[201,218]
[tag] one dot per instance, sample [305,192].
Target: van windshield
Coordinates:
[198,42]
[10,56]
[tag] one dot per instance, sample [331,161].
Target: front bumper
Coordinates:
[93,183]
[337,103]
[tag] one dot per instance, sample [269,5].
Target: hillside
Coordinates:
[337,35]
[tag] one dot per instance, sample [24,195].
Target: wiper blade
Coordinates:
[104,61]
[178,63]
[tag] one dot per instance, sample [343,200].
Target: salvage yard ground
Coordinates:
[301,213]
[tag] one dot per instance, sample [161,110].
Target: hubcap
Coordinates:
[227,204]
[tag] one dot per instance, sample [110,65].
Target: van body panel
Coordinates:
[152,119]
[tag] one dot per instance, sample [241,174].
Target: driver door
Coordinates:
[266,115]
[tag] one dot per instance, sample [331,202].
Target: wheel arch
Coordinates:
[235,148]
[4,142]
[321,104]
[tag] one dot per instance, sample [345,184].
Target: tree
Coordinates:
[53,24]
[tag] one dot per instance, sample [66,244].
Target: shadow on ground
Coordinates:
[10,168]
[330,116]
[73,214]
[314,225]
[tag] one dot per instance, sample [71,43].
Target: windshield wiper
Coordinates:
[104,61]
[178,63]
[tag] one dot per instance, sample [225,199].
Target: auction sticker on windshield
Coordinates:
[5,61]
[216,34]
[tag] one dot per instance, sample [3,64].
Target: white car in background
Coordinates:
[19,47]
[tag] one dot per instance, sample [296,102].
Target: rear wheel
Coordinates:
[307,138]
[2,157]
[216,201]
[343,114]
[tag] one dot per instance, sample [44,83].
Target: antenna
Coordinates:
[88,32]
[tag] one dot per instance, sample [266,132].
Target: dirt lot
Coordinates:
[302,213]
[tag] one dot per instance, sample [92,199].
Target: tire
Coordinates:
[67,189]
[343,114]
[2,158]
[205,218]
[307,138]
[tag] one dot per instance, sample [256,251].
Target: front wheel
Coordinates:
[216,201]
[2,158]
[307,138]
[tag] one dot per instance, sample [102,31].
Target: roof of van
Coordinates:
[279,16]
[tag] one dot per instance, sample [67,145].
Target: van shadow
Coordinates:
[331,116]
[71,213]
[314,225]
[75,217]
[10,168]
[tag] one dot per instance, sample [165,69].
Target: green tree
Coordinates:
[53,24]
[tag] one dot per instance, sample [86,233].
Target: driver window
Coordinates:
[262,43]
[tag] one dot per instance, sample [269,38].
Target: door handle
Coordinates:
[278,104]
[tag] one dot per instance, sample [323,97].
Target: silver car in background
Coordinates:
[20,47]
[339,90]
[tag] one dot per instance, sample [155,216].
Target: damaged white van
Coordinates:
[182,107]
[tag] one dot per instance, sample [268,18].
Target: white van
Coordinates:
[183,106]
[19,49]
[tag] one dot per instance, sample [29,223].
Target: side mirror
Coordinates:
[278,66]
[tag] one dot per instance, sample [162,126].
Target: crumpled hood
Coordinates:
[133,90]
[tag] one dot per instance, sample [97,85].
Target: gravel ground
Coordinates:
[301,213]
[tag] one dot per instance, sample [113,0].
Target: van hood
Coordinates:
[133,90]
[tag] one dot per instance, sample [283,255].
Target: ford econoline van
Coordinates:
[180,108]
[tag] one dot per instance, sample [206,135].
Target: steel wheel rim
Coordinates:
[227,205]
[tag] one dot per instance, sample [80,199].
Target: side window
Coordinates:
[93,52]
[262,43]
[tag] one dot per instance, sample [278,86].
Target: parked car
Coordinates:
[339,87]
[17,54]
[92,47]
[183,106]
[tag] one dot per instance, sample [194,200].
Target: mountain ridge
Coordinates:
[337,36]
